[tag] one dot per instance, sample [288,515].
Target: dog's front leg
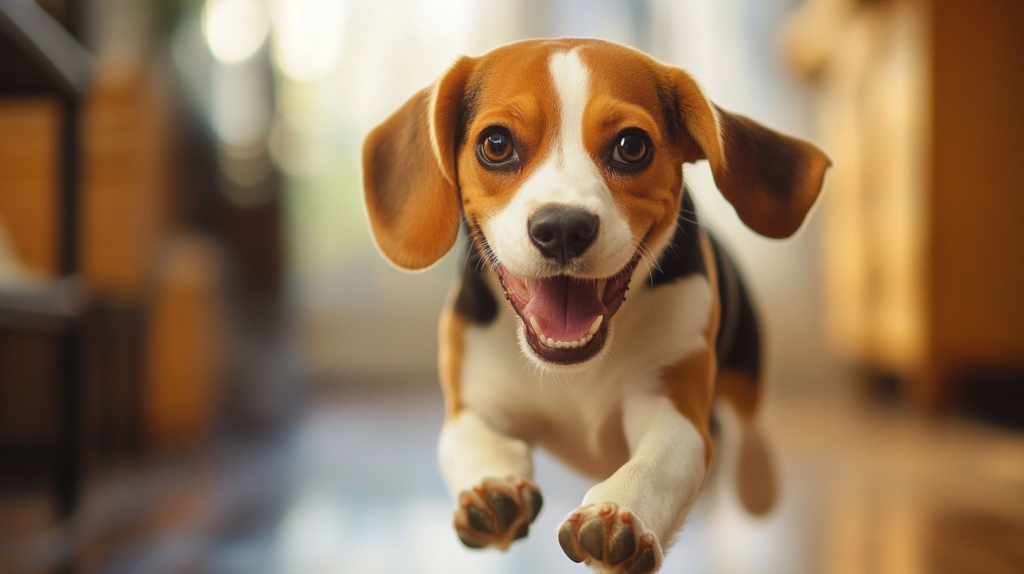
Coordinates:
[626,521]
[491,477]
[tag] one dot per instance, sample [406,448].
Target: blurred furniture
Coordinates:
[39,57]
[88,197]
[156,275]
[924,250]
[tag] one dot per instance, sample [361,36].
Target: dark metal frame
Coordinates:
[54,63]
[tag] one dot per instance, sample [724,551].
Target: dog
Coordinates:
[563,159]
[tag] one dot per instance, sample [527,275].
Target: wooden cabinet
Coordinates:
[975,263]
[137,257]
[922,108]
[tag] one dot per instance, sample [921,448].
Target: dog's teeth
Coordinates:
[550,342]
[596,325]
[536,327]
[601,286]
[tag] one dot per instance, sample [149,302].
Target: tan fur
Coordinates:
[451,333]
[756,481]
[625,95]
[691,381]
[742,393]
[772,180]
[690,385]
[408,168]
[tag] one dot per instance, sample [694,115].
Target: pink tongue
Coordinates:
[564,307]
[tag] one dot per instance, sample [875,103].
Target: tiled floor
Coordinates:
[355,488]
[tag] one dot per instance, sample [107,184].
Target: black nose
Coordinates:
[562,232]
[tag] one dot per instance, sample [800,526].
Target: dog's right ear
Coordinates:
[410,182]
[771,179]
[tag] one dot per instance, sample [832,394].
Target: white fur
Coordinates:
[567,412]
[666,466]
[470,450]
[569,176]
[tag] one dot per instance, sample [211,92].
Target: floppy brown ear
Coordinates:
[771,179]
[409,179]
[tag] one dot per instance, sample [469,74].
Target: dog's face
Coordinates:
[564,157]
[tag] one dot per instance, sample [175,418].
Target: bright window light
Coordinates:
[234,29]
[308,37]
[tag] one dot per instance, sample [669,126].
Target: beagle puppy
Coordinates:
[594,317]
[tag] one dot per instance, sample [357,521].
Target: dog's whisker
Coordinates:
[696,216]
[650,253]
[647,256]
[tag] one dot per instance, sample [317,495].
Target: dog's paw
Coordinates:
[609,539]
[497,512]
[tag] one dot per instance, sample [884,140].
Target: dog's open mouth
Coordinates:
[566,318]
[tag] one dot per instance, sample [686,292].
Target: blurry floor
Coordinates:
[354,488]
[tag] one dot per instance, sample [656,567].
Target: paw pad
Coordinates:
[497,512]
[610,536]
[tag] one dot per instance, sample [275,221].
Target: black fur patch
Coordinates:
[683,256]
[738,344]
[669,111]
[469,108]
[739,334]
[475,301]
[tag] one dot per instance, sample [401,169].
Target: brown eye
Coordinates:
[630,152]
[495,149]
[631,148]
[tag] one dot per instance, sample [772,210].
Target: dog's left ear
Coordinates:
[409,178]
[771,179]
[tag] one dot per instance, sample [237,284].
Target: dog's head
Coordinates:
[564,157]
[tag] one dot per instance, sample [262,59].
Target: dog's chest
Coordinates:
[577,416]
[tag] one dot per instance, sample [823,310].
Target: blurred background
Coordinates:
[205,366]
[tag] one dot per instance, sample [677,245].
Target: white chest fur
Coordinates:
[577,416]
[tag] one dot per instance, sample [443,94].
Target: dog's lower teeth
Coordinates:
[596,325]
[550,342]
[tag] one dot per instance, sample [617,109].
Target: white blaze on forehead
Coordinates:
[572,83]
